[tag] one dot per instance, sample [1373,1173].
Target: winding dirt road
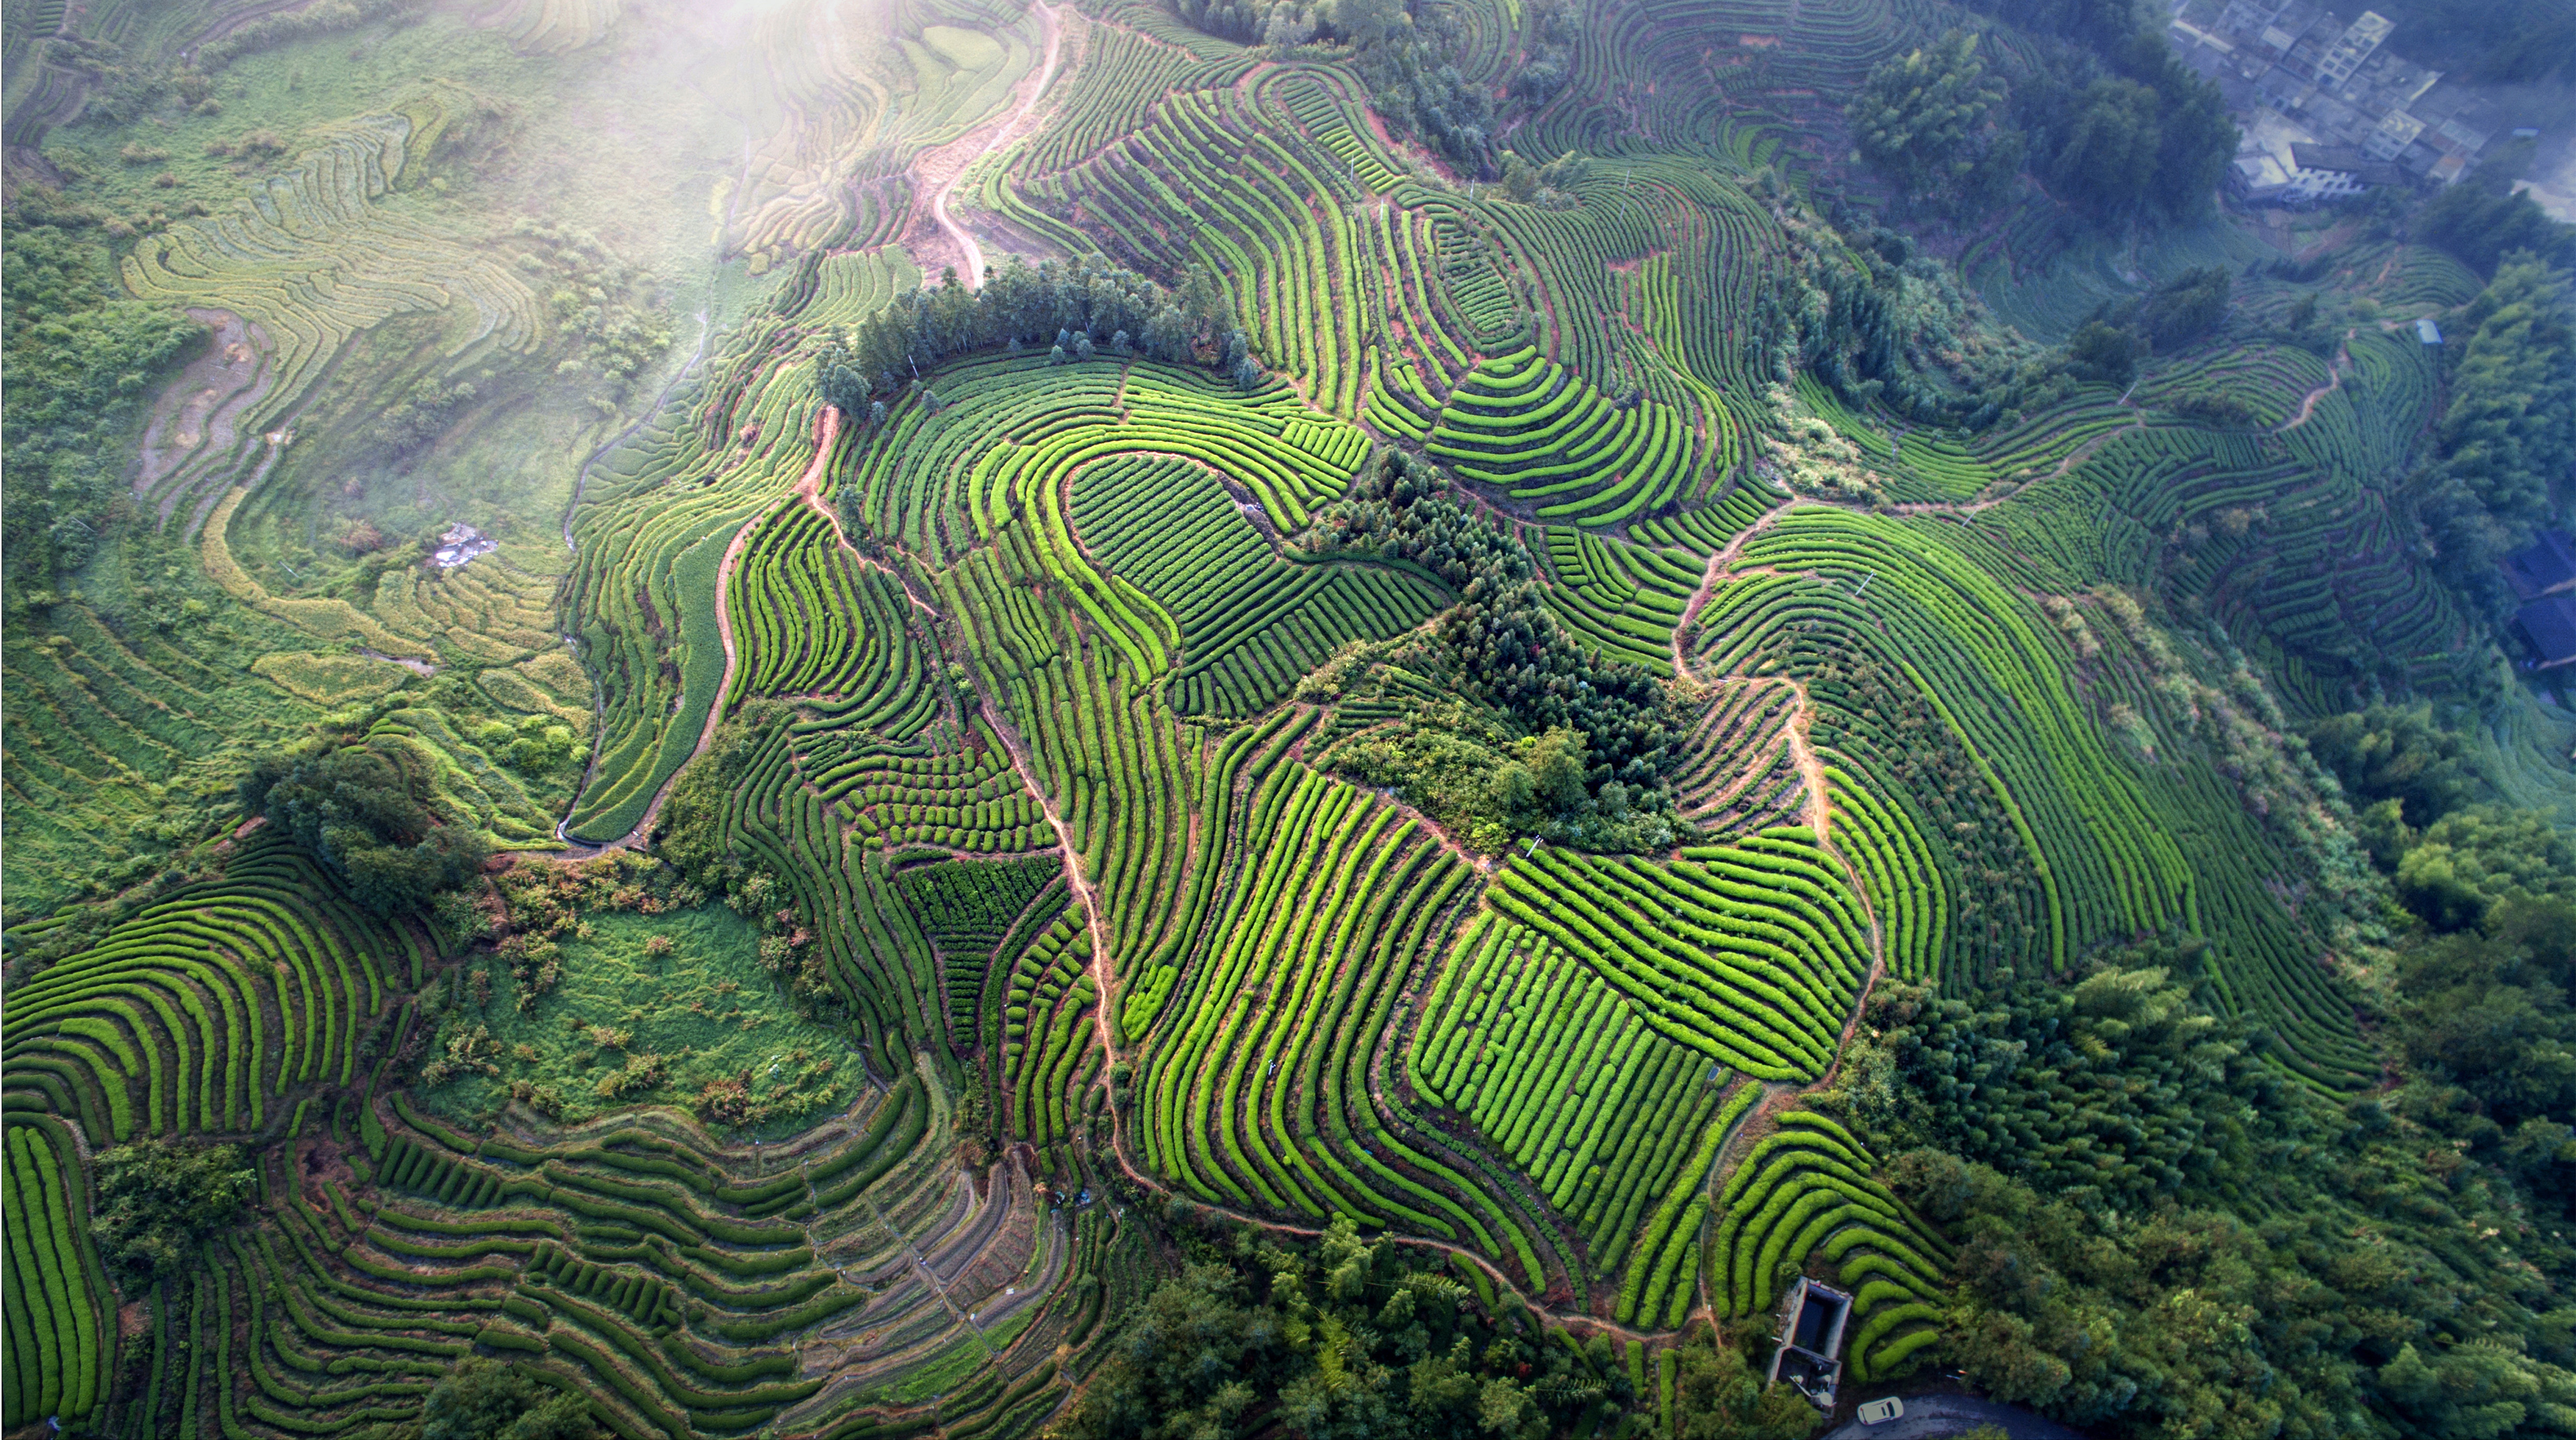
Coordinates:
[973,271]
[2334,382]
[827,431]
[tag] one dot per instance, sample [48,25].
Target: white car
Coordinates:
[1879,1412]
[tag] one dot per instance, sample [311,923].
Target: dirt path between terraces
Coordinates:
[2334,382]
[1819,813]
[1718,566]
[808,490]
[827,431]
[1721,565]
[1017,749]
[1103,979]
[956,160]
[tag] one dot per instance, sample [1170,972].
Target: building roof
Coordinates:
[2344,159]
[2427,331]
[2337,115]
[2550,625]
[2327,157]
[2547,563]
[2242,16]
[2392,83]
[2258,174]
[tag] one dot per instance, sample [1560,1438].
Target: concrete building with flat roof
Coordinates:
[2357,43]
[2330,172]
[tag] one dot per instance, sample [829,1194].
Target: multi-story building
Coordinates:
[2330,172]
[2338,86]
[2396,130]
[2358,42]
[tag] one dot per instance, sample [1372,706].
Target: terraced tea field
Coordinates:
[1361,728]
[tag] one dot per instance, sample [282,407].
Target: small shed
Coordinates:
[2427,331]
[1811,1342]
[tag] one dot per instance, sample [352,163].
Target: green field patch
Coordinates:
[631,1023]
[330,679]
[965,49]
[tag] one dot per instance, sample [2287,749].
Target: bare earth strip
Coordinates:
[827,430]
[949,163]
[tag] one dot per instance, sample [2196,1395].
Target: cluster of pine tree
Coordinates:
[1077,307]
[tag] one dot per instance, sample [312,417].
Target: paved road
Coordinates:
[1928,1416]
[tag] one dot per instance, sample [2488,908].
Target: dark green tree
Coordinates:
[1341,1339]
[2128,132]
[1018,303]
[2109,159]
[159,1199]
[82,358]
[2489,1011]
[2483,218]
[2490,40]
[2160,1232]
[2101,24]
[2195,136]
[2185,308]
[364,810]
[2103,353]
[1924,119]
[2509,434]
[1415,84]
[1719,1395]
[2391,752]
[485,1399]
[2456,871]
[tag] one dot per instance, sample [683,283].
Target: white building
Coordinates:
[2330,172]
[2358,42]
[2257,176]
[2396,131]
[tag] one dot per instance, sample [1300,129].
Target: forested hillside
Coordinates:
[1152,718]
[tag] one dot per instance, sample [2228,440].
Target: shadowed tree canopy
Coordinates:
[485,1399]
[1719,1395]
[2509,435]
[364,809]
[2483,218]
[2488,1011]
[157,1199]
[2391,752]
[1926,119]
[82,360]
[2121,128]
[2489,40]
[1340,1339]
[2463,864]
